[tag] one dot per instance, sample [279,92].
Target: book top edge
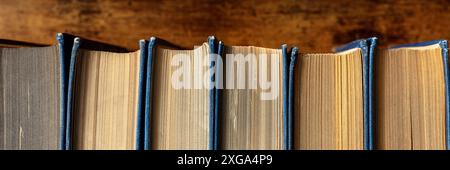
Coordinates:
[441,43]
[361,43]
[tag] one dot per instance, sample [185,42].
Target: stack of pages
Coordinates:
[88,95]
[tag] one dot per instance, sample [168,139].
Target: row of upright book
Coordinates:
[83,94]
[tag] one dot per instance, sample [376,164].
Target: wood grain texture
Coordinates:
[312,25]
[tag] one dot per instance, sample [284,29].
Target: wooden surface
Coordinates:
[313,25]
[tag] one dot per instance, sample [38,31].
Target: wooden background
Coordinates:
[313,25]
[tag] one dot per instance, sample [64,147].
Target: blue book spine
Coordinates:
[217,78]
[141,95]
[444,47]
[70,93]
[63,89]
[148,93]
[290,100]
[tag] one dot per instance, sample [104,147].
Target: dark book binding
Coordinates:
[214,49]
[289,116]
[143,44]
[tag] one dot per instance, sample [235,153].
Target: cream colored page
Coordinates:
[180,117]
[106,97]
[247,122]
[328,101]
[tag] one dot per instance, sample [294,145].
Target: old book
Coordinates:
[104,100]
[33,97]
[252,100]
[331,98]
[29,97]
[180,108]
[412,97]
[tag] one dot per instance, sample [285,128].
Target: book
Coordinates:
[413,97]
[104,101]
[88,95]
[179,112]
[332,98]
[30,97]
[252,98]
[33,101]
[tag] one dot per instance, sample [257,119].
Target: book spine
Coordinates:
[63,81]
[212,94]
[218,78]
[285,87]
[141,92]
[290,99]
[444,45]
[372,43]
[70,92]
[148,92]
[367,117]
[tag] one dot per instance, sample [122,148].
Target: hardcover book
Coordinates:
[179,111]
[253,98]
[89,95]
[412,95]
[104,84]
[30,96]
[332,98]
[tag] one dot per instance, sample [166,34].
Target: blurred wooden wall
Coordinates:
[314,25]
